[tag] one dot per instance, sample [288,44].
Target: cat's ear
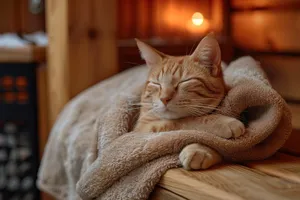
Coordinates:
[149,54]
[208,53]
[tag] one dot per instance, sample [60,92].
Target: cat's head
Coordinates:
[183,86]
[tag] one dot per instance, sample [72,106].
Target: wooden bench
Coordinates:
[274,178]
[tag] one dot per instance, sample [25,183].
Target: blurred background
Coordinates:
[52,50]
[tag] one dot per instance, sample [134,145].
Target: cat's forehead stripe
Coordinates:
[176,71]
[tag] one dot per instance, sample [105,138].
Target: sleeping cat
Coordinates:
[182,93]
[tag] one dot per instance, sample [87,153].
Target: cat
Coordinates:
[182,93]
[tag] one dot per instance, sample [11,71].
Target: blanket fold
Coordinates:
[97,157]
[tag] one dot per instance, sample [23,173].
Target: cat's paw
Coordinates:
[230,128]
[197,156]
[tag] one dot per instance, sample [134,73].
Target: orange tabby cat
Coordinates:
[182,93]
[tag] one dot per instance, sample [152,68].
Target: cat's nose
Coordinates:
[165,100]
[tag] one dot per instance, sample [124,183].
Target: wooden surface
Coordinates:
[82,48]
[43,121]
[57,65]
[266,30]
[91,43]
[42,92]
[23,54]
[167,19]
[162,194]
[252,4]
[281,165]
[276,179]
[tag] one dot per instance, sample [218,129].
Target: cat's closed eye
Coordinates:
[189,81]
[155,84]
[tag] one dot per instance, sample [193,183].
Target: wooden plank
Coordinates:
[283,73]
[220,17]
[187,185]
[43,128]
[8,14]
[280,165]
[30,22]
[163,194]
[254,4]
[23,54]
[103,47]
[42,92]
[292,144]
[15,17]
[58,63]
[94,58]
[275,30]
[82,47]
[228,182]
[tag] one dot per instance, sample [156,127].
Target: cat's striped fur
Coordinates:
[183,93]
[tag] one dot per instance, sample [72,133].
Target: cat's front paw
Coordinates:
[197,156]
[231,128]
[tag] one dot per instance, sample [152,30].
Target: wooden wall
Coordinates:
[167,19]
[269,30]
[156,18]
[164,25]
[82,47]
[15,17]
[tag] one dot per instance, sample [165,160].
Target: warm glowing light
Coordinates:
[197,19]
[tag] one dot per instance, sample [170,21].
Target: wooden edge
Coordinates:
[42,92]
[23,54]
[163,194]
[187,186]
[280,165]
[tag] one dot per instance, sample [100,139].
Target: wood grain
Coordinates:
[186,184]
[228,182]
[94,58]
[23,54]
[42,92]
[82,47]
[15,17]
[8,14]
[280,165]
[30,22]
[43,123]
[252,4]
[58,62]
[163,194]
[283,73]
[267,30]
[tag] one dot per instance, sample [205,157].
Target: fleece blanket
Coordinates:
[92,153]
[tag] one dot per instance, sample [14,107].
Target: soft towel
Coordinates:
[91,153]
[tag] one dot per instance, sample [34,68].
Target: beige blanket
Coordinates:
[92,154]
